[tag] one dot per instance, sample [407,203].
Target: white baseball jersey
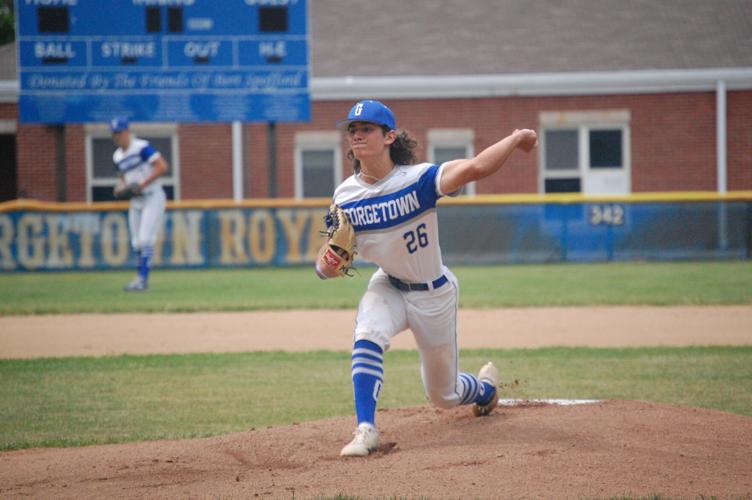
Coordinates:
[395,220]
[146,212]
[396,227]
[134,163]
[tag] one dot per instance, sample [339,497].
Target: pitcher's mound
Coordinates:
[606,449]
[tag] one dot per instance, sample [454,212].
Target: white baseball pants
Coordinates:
[431,315]
[144,218]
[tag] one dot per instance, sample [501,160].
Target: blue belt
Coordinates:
[417,287]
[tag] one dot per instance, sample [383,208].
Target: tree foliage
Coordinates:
[7,22]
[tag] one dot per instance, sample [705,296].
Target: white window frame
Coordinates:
[584,122]
[453,138]
[162,130]
[317,141]
[8,127]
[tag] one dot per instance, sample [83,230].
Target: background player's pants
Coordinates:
[144,218]
[385,311]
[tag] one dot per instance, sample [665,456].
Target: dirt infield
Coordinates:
[97,335]
[602,450]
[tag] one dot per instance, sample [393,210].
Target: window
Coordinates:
[561,150]
[318,174]
[101,175]
[585,152]
[318,164]
[451,144]
[605,148]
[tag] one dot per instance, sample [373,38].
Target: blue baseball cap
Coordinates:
[370,111]
[118,124]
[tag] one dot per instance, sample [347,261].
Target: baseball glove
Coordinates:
[339,252]
[126,192]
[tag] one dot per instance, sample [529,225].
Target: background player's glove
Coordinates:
[336,257]
[126,192]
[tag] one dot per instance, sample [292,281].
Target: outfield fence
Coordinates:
[44,236]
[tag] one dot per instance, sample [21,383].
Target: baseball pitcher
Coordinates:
[386,211]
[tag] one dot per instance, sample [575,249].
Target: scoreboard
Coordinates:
[163,60]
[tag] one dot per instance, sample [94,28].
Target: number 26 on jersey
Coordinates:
[416,239]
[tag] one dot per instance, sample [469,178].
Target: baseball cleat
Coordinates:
[137,285]
[365,441]
[488,373]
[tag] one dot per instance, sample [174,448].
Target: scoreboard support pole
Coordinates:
[272,170]
[237,161]
[61,167]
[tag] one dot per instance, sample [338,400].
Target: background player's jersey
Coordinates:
[395,220]
[134,164]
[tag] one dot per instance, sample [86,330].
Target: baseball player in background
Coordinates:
[139,167]
[391,203]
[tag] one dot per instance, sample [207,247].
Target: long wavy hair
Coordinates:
[401,151]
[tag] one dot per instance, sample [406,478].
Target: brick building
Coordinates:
[627,97]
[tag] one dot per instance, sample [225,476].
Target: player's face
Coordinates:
[122,139]
[367,139]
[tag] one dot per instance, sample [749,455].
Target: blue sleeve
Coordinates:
[147,152]
[427,186]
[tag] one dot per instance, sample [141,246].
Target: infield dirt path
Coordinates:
[603,450]
[100,334]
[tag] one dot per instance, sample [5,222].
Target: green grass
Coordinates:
[665,283]
[298,288]
[81,401]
